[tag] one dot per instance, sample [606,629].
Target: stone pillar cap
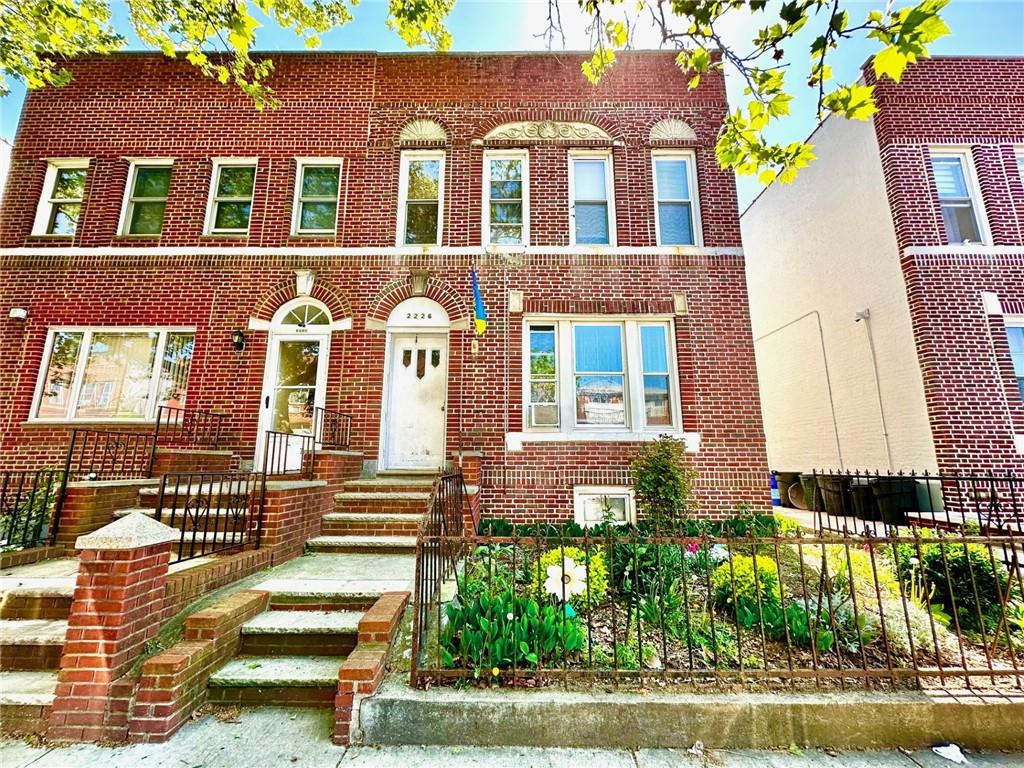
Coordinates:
[133,531]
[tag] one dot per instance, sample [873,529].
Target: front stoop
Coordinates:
[557,718]
[371,544]
[296,681]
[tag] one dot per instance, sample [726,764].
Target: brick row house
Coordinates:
[171,245]
[887,283]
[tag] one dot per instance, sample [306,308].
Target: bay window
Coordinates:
[591,375]
[113,373]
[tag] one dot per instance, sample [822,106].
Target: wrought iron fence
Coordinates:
[286,453]
[819,611]
[186,428]
[333,429]
[27,505]
[438,551]
[870,502]
[214,511]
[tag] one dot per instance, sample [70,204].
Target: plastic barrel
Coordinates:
[776,501]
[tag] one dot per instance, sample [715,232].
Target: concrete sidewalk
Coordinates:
[297,738]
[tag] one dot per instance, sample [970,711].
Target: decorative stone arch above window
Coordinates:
[287,294]
[672,129]
[397,291]
[420,132]
[556,131]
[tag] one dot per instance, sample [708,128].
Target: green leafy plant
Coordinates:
[488,569]
[663,482]
[966,580]
[505,631]
[640,568]
[736,586]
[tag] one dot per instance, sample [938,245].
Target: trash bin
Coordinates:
[834,495]
[812,494]
[786,481]
[895,497]
[863,498]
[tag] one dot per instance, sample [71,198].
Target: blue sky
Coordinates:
[980,27]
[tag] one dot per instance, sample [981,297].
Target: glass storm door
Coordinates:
[415,418]
[295,384]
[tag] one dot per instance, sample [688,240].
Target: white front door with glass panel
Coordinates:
[414,417]
[294,385]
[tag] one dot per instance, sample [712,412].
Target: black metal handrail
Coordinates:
[214,511]
[27,506]
[286,453]
[187,428]
[854,501]
[333,429]
[438,552]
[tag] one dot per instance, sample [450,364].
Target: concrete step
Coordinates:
[374,544]
[371,524]
[46,601]
[31,644]
[217,522]
[382,502]
[295,681]
[25,700]
[398,484]
[301,633]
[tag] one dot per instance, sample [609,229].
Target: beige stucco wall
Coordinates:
[824,247]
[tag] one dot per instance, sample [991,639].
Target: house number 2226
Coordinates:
[419,315]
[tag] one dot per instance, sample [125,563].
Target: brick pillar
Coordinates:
[116,610]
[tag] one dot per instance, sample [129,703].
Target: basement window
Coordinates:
[596,504]
[112,373]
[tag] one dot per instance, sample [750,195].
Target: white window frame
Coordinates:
[1013,321]
[690,157]
[1018,153]
[408,156]
[301,163]
[134,164]
[505,154]
[46,202]
[227,162]
[580,493]
[609,182]
[87,332]
[963,154]
[636,426]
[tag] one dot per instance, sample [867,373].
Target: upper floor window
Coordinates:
[112,373]
[317,185]
[146,197]
[1015,334]
[506,198]
[63,192]
[675,198]
[959,197]
[614,374]
[591,201]
[420,192]
[231,192]
[1020,163]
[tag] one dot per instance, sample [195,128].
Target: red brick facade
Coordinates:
[353,107]
[974,404]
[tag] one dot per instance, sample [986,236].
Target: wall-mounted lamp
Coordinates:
[18,313]
[238,340]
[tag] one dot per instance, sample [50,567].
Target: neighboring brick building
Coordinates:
[918,217]
[137,303]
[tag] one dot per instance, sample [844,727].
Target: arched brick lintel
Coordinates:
[285,291]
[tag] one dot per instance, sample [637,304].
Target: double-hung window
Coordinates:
[231,192]
[675,199]
[586,374]
[591,199]
[63,193]
[317,185]
[420,197]
[146,197]
[113,373]
[506,198]
[959,197]
[1015,335]
[1020,164]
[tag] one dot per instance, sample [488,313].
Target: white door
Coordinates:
[294,385]
[414,417]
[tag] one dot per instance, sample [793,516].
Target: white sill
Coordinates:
[514,440]
[87,422]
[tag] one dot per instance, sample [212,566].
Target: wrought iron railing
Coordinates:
[213,511]
[333,429]
[27,506]
[438,551]
[929,609]
[871,502]
[288,454]
[187,428]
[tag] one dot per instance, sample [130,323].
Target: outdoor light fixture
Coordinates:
[238,339]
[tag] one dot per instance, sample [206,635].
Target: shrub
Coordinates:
[640,569]
[663,482]
[737,587]
[969,566]
[502,631]
[488,569]
[597,574]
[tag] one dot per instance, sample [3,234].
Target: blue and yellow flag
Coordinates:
[479,313]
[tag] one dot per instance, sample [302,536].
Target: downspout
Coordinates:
[865,315]
[828,376]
